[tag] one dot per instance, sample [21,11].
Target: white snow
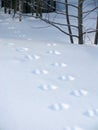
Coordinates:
[45,83]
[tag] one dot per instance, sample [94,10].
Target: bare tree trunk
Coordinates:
[96,34]
[68,21]
[20,10]
[9,6]
[80,22]
[15,7]
[5,6]
[39,8]
[0,3]
[32,8]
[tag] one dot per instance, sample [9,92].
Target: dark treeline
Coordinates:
[29,6]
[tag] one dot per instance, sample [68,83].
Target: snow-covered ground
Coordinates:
[45,83]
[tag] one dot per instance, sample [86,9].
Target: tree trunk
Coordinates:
[80,21]
[20,10]
[9,6]
[96,34]
[68,21]
[39,8]
[15,7]
[0,4]
[5,6]
[32,8]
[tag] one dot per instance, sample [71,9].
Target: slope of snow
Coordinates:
[45,83]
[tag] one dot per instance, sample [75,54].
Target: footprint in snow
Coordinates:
[54,52]
[39,72]
[28,57]
[36,57]
[48,87]
[56,64]
[31,57]
[59,106]
[79,93]
[91,112]
[73,128]
[67,78]
[22,49]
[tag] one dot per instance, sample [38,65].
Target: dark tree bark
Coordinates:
[5,6]
[15,7]
[39,8]
[9,6]
[20,10]
[96,34]
[80,21]
[33,7]
[68,21]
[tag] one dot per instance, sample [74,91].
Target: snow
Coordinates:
[45,83]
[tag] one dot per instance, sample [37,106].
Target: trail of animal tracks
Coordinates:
[45,84]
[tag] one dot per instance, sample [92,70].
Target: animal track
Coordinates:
[70,77]
[39,72]
[48,87]
[59,64]
[30,57]
[91,112]
[22,49]
[54,52]
[36,57]
[63,77]
[79,93]
[59,106]
[67,78]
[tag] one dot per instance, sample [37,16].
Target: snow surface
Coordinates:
[45,83]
